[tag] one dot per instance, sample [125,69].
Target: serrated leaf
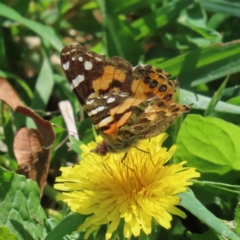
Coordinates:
[209,144]
[5,234]
[20,208]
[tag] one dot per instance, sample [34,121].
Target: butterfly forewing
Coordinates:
[88,72]
[81,68]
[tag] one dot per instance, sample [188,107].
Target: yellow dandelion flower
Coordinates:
[137,190]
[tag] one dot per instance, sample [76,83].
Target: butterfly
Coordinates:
[124,103]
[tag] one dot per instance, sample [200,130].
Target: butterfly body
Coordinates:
[125,103]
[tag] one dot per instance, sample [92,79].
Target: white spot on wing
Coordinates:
[77,81]
[105,121]
[105,96]
[80,59]
[89,54]
[73,58]
[89,101]
[66,65]
[98,59]
[96,110]
[88,65]
[67,52]
[110,100]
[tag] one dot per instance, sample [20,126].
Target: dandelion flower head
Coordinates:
[136,190]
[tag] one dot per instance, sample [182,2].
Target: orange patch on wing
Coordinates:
[119,75]
[114,127]
[103,82]
[139,88]
[110,73]
[143,91]
[129,102]
[157,78]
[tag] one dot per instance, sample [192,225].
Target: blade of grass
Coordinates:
[204,65]
[160,17]
[216,98]
[226,7]
[45,32]
[67,226]
[193,18]
[189,202]
[201,102]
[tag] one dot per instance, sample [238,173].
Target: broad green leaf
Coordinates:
[215,99]
[189,202]
[227,7]
[160,17]
[20,208]
[204,65]
[209,144]
[45,32]
[235,100]
[201,102]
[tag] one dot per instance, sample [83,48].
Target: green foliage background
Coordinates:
[198,42]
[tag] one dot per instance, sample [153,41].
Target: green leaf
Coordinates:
[209,144]
[127,6]
[44,85]
[189,202]
[117,35]
[5,234]
[237,219]
[227,7]
[235,100]
[201,102]
[160,17]
[20,208]
[74,145]
[45,32]
[215,99]
[67,226]
[193,18]
[204,65]
[22,83]
[206,235]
